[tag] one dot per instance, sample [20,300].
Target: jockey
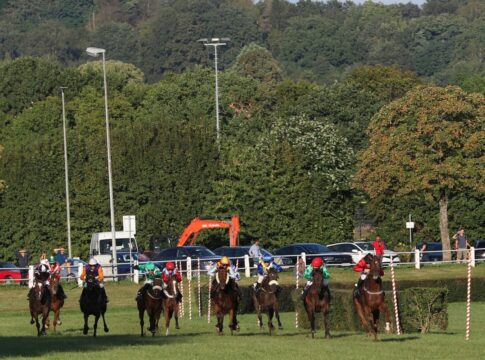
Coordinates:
[263,267]
[363,266]
[151,272]
[224,262]
[55,269]
[317,265]
[94,268]
[42,273]
[170,270]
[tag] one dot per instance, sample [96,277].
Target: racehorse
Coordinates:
[170,304]
[224,300]
[266,299]
[317,300]
[39,304]
[56,302]
[92,303]
[152,304]
[370,303]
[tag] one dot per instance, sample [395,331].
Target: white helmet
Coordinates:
[44,262]
[93,261]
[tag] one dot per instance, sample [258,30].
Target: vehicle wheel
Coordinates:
[9,280]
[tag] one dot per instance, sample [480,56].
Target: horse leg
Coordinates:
[375,322]
[176,316]
[232,326]
[277,314]
[37,324]
[85,329]
[270,320]
[362,317]
[95,326]
[312,322]
[141,315]
[220,322]
[326,312]
[168,315]
[104,323]
[384,309]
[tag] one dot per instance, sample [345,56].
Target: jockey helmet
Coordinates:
[150,266]
[93,261]
[44,262]
[317,263]
[170,265]
[52,260]
[267,258]
[225,260]
[43,268]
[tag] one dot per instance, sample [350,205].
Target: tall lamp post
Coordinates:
[68,214]
[92,51]
[215,42]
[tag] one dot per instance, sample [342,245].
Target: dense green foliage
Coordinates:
[299,86]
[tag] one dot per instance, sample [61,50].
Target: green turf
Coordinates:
[197,339]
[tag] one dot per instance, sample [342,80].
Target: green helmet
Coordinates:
[150,266]
[52,260]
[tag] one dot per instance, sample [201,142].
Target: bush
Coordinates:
[423,308]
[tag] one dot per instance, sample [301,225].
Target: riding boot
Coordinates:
[304,292]
[29,295]
[256,286]
[142,291]
[357,288]
[178,297]
[61,293]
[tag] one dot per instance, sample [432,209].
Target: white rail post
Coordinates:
[79,272]
[199,300]
[417,260]
[31,276]
[189,285]
[472,256]
[189,268]
[136,273]
[247,269]
[303,257]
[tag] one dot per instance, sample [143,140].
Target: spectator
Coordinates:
[23,261]
[422,250]
[461,245]
[379,247]
[61,259]
[255,252]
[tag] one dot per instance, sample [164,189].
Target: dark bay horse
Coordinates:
[92,303]
[39,304]
[317,300]
[57,301]
[225,300]
[266,299]
[170,303]
[152,304]
[371,302]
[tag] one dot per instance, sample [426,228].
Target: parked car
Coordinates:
[123,260]
[9,273]
[74,273]
[433,253]
[313,250]
[359,249]
[207,257]
[479,250]
[240,251]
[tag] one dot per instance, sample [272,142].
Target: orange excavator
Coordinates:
[192,231]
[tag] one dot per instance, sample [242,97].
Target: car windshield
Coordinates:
[265,252]
[199,252]
[480,244]
[365,246]
[316,249]
[121,245]
[434,246]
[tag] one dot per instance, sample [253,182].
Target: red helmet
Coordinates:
[317,263]
[170,266]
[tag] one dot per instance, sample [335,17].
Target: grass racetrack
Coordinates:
[198,340]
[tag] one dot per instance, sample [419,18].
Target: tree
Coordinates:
[257,62]
[431,142]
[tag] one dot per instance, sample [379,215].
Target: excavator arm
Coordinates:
[192,231]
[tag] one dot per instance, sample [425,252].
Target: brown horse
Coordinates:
[152,304]
[57,301]
[225,300]
[170,303]
[39,304]
[371,302]
[317,300]
[266,299]
[92,303]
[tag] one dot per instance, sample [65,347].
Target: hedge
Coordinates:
[413,308]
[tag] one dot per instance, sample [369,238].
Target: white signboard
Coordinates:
[410,225]
[129,223]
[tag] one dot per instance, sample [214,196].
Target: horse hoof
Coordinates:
[106,329]
[177,327]
[85,331]
[280,327]
[32,322]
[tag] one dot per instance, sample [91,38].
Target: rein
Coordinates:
[373,292]
[174,290]
[217,278]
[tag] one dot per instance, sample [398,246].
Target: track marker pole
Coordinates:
[209,301]
[199,300]
[394,299]
[297,268]
[468,299]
